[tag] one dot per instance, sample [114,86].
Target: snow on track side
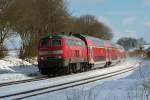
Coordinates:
[13,69]
[61,80]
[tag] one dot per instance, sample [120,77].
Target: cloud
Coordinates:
[147,2]
[117,35]
[126,33]
[105,21]
[147,24]
[131,33]
[118,13]
[129,20]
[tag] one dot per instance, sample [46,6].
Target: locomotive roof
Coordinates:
[91,41]
[98,41]
[60,35]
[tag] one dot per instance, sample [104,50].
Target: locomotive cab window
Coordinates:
[56,42]
[45,43]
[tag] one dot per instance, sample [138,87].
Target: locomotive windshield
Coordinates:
[56,42]
[45,42]
[50,42]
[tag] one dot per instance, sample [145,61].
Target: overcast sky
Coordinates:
[126,17]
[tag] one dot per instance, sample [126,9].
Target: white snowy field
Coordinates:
[134,85]
[13,69]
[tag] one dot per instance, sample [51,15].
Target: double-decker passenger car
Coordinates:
[61,53]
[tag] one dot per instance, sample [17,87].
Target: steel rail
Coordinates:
[23,81]
[32,80]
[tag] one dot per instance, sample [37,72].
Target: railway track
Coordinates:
[28,80]
[23,81]
[65,85]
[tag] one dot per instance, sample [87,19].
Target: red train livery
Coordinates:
[61,53]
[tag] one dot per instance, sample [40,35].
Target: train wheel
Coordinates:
[68,69]
[65,70]
[74,68]
[78,67]
[71,68]
[106,65]
[90,66]
[43,71]
[84,67]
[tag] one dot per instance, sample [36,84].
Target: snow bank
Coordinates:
[12,68]
[5,67]
[16,61]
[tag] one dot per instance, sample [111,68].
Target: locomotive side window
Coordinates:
[56,42]
[70,42]
[79,43]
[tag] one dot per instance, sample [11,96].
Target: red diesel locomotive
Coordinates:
[61,53]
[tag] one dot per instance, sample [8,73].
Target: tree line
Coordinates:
[131,43]
[33,19]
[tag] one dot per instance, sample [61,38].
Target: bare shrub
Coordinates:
[140,92]
[3,51]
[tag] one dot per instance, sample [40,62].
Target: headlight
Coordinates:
[42,58]
[59,56]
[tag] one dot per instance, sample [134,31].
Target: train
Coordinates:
[63,53]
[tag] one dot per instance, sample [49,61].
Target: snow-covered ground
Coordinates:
[130,86]
[134,85]
[127,88]
[12,69]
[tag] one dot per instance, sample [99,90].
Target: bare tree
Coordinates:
[4,26]
[33,19]
[88,24]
